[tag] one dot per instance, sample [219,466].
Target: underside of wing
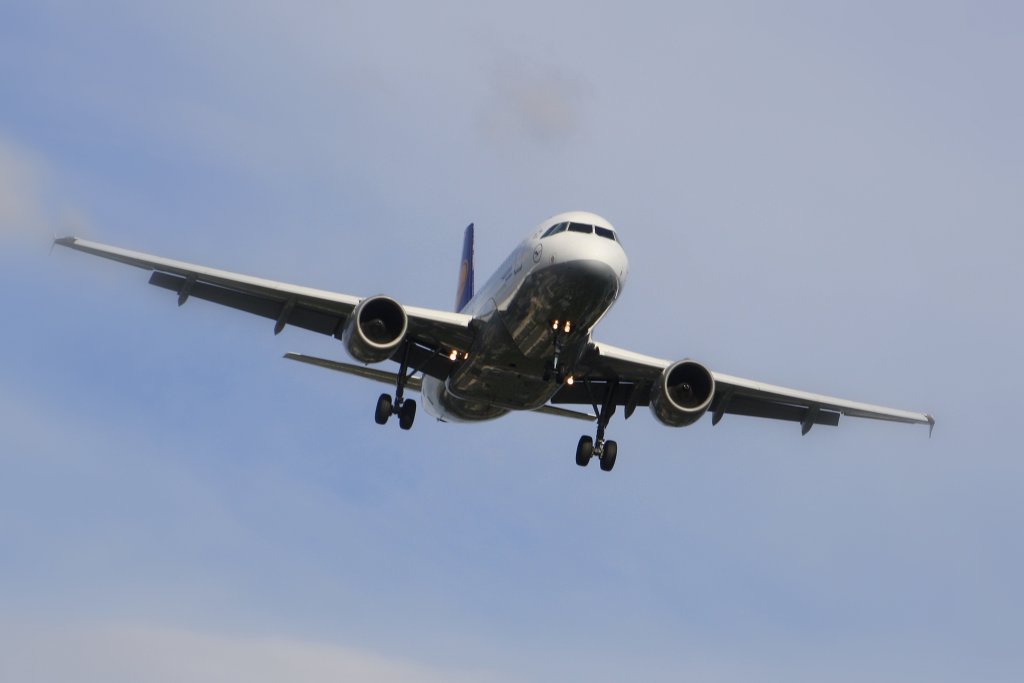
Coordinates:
[623,378]
[433,332]
[745,397]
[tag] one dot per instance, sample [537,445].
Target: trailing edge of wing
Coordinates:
[414,383]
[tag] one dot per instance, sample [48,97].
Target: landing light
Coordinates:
[554,325]
[568,326]
[570,380]
[453,355]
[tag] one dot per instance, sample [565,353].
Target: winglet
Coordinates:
[931,424]
[464,292]
[63,241]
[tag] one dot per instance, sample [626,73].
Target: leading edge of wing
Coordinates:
[631,366]
[422,319]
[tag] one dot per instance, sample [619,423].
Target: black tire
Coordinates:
[383,411]
[611,449]
[584,451]
[407,414]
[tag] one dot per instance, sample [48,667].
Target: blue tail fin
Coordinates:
[465,290]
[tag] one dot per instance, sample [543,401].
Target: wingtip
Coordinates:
[931,424]
[65,241]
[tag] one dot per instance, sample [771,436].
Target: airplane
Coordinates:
[524,341]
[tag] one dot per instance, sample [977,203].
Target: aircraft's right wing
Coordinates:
[312,309]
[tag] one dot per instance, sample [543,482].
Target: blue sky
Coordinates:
[820,195]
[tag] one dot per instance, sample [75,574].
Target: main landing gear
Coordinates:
[404,408]
[606,451]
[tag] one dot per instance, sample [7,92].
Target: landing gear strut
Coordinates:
[555,368]
[404,408]
[606,451]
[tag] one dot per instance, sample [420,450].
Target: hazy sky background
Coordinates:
[822,195]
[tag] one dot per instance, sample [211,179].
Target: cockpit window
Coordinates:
[556,228]
[583,228]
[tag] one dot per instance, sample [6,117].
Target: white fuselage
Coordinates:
[570,277]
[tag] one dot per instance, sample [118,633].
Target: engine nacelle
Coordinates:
[682,394]
[375,329]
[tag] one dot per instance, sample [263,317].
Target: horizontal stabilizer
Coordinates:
[414,383]
[383,376]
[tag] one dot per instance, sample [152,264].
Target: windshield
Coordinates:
[583,228]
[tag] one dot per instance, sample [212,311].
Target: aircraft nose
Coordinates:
[593,261]
[608,263]
[594,276]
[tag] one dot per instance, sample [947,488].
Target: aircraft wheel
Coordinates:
[584,450]
[611,449]
[383,411]
[406,414]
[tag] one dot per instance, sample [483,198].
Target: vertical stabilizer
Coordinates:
[465,290]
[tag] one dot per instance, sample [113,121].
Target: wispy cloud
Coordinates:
[21,183]
[114,652]
[27,211]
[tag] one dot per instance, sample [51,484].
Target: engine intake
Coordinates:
[682,393]
[375,329]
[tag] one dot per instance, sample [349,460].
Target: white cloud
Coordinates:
[114,652]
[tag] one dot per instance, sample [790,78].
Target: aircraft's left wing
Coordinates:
[631,375]
[312,309]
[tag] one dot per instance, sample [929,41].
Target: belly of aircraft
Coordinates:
[506,367]
[498,373]
[578,291]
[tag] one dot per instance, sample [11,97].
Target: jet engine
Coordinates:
[682,394]
[375,329]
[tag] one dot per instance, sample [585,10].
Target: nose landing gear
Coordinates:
[555,368]
[606,451]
